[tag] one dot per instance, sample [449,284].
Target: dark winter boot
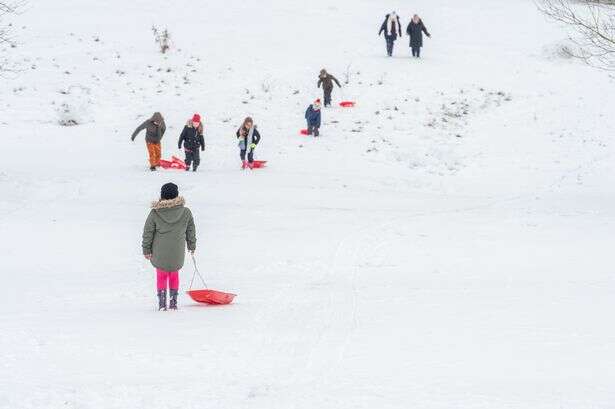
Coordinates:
[162,300]
[173,300]
[316,132]
[153,168]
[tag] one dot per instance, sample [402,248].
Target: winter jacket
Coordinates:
[326,80]
[415,31]
[192,138]
[243,135]
[168,228]
[153,132]
[313,116]
[395,32]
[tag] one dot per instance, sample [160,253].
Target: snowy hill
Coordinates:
[445,243]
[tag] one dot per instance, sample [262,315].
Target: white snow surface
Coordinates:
[448,243]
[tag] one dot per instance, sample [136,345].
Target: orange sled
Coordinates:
[211,297]
[207,296]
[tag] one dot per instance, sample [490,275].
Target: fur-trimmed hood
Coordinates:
[168,204]
[190,124]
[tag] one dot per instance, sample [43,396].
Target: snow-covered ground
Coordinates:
[445,244]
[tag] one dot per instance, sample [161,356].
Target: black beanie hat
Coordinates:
[169,191]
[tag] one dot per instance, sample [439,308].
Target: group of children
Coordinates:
[170,227]
[248,137]
[193,142]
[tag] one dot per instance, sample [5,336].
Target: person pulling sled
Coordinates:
[154,131]
[168,230]
[312,116]
[248,138]
[193,141]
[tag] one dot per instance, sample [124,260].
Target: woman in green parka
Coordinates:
[169,228]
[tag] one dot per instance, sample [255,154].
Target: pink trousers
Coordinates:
[163,276]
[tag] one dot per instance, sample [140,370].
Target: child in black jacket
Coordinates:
[192,139]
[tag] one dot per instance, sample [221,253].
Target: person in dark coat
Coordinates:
[327,80]
[192,139]
[415,30]
[312,115]
[154,131]
[391,27]
[248,138]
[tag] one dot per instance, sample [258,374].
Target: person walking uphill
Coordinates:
[154,131]
[248,138]
[391,27]
[169,228]
[192,138]
[415,30]
[312,115]
[326,80]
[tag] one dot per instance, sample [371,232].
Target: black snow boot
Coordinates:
[153,168]
[162,300]
[173,300]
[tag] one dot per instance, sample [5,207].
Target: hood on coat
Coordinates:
[167,204]
[170,210]
[190,124]
[157,117]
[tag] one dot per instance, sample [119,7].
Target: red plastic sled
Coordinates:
[257,164]
[303,132]
[211,297]
[174,163]
[347,104]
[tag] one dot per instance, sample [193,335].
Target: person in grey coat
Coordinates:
[168,230]
[154,131]
[415,30]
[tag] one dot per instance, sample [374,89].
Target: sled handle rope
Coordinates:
[196,271]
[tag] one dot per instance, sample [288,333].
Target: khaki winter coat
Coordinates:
[326,80]
[153,132]
[168,229]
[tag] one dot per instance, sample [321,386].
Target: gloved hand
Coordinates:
[252,146]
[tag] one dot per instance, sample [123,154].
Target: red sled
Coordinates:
[257,164]
[347,104]
[174,163]
[303,132]
[211,297]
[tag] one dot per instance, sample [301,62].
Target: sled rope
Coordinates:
[196,271]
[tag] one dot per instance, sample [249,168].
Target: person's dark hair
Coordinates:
[169,191]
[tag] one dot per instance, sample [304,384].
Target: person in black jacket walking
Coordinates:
[327,80]
[415,30]
[391,27]
[192,139]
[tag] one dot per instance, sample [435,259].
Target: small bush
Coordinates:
[162,38]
